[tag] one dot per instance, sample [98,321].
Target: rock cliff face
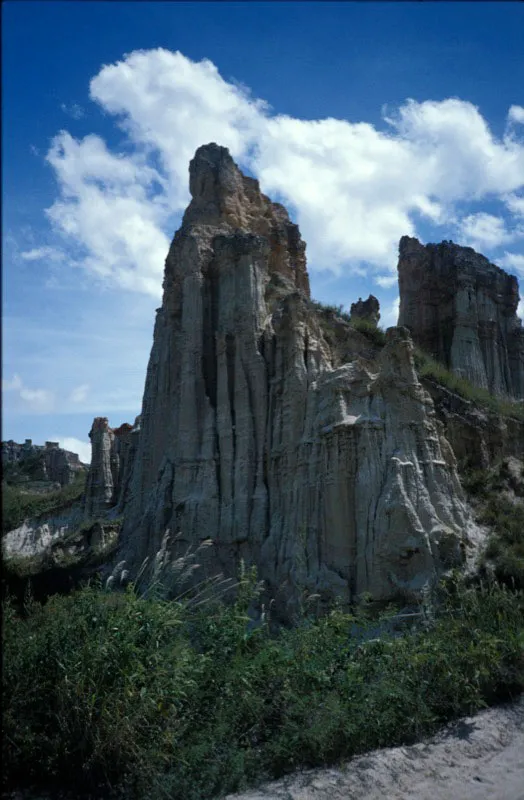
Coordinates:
[112,455]
[461,309]
[332,475]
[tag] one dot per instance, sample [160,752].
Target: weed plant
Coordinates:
[185,700]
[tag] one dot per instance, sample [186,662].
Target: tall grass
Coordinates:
[169,699]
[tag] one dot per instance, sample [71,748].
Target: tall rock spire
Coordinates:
[331,476]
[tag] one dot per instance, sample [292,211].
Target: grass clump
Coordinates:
[428,367]
[173,699]
[18,505]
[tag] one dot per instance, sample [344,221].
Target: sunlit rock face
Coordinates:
[112,455]
[332,476]
[462,310]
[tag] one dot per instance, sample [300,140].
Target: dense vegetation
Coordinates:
[19,504]
[500,505]
[173,699]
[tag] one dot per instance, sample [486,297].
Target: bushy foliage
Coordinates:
[171,700]
[505,517]
[428,367]
[17,505]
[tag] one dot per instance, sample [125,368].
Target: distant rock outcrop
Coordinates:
[112,456]
[331,476]
[28,462]
[368,310]
[461,309]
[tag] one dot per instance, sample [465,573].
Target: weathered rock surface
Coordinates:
[368,310]
[461,309]
[479,438]
[112,456]
[332,476]
[50,463]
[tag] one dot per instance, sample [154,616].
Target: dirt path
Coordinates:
[477,758]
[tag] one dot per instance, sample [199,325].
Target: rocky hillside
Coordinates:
[298,438]
[39,467]
[284,435]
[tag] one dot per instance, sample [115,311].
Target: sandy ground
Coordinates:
[477,758]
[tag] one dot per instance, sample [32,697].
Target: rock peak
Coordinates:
[212,172]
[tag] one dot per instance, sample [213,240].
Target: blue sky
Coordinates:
[368,120]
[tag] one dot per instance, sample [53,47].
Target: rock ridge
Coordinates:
[462,310]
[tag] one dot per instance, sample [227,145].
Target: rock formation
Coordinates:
[461,309]
[368,310]
[49,463]
[112,456]
[331,476]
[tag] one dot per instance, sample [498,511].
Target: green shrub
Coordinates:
[504,515]
[168,701]
[18,505]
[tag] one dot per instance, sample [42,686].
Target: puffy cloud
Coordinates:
[107,209]
[353,188]
[516,114]
[484,231]
[515,205]
[513,261]
[386,281]
[79,393]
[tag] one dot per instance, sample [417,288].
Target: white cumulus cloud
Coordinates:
[484,231]
[516,114]
[513,261]
[354,188]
